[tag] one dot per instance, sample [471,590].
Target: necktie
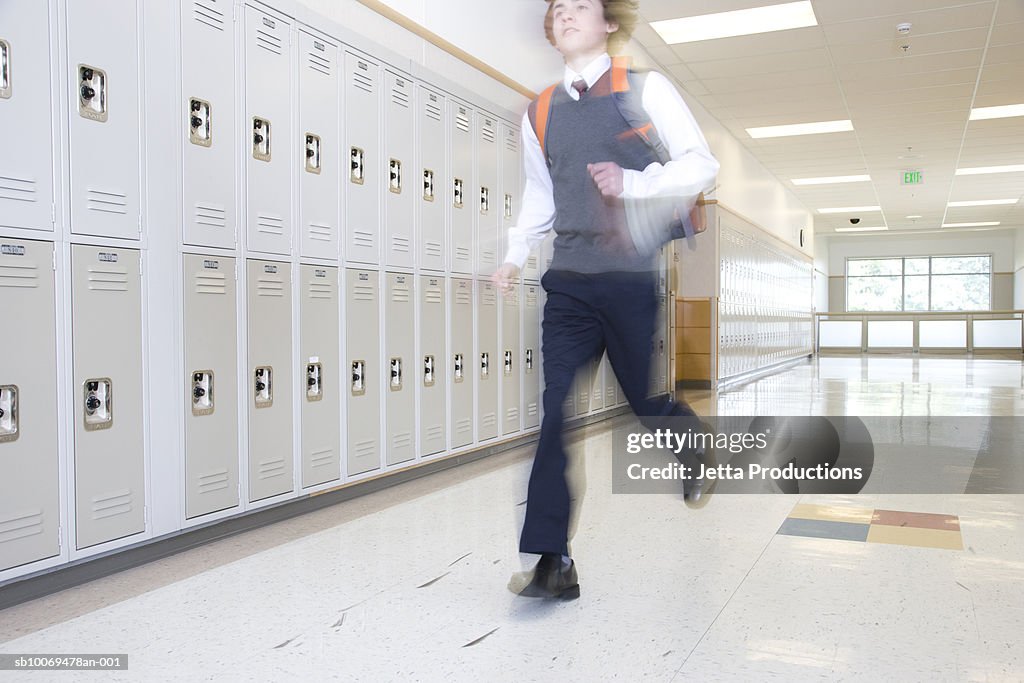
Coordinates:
[580,86]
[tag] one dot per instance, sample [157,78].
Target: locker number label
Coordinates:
[12,250]
[211,265]
[270,269]
[107,257]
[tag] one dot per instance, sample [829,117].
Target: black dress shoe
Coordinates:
[698,489]
[552,579]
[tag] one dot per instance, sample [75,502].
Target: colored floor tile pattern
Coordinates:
[924,530]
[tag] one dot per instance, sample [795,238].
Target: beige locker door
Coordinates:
[584,382]
[403,183]
[433,379]
[597,385]
[271,463]
[488,360]
[531,356]
[430,183]
[400,374]
[460,191]
[109,447]
[211,384]
[364,373]
[462,366]
[320,370]
[610,383]
[487,200]
[365,167]
[29,483]
[511,363]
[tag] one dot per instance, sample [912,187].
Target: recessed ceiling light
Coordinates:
[850,209]
[985,202]
[801,129]
[914,217]
[831,180]
[978,170]
[742,22]
[872,229]
[1003,112]
[970,225]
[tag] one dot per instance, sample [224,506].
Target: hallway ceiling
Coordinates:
[909,105]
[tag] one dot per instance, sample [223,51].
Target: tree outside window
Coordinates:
[931,283]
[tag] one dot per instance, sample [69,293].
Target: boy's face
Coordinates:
[579,27]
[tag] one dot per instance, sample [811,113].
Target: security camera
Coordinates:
[855,221]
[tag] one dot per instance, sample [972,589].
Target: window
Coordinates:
[929,283]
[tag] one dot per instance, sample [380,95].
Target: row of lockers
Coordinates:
[316,148]
[402,379]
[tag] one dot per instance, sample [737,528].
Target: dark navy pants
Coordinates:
[585,315]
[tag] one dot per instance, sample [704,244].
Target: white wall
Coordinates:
[1018,271]
[999,243]
[821,273]
[519,50]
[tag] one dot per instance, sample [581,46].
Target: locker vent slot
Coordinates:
[363,239]
[214,481]
[433,296]
[531,299]
[487,255]
[400,244]
[463,298]
[464,426]
[107,280]
[399,441]
[363,293]
[268,287]
[18,189]
[512,143]
[432,110]
[204,13]
[319,290]
[462,122]
[461,253]
[112,505]
[609,395]
[489,420]
[365,449]
[211,283]
[487,133]
[433,249]
[488,297]
[23,524]
[321,232]
[512,414]
[270,224]
[319,63]
[271,468]
[107,202]
[400,97]
[213,216]
[400,295]
[22,276]
[531,409]
[268,41]
[435,432]
[321,458]
[362,81]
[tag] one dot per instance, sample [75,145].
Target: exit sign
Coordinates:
[912,178]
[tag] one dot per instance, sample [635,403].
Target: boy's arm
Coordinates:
[692,168]
[537,213]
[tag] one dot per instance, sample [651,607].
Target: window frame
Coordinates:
[903,279]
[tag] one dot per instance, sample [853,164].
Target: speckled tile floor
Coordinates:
[409,583]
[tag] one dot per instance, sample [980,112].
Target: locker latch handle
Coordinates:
[485,200]
[358,377]
[261,139]
[428,185]
[459,372]
[5,70]
[98,404]
[92,93]
[312,153]
[202,392]
[8,413]
[485,365]
[428,371]
[396,374]
[314,381]
[508,362]
[357,169]
[529,360]
[264,386]
[395,176]
[457,193]
[508,206]
[200,122]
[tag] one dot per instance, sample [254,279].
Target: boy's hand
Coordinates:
[607,176]
[505,276]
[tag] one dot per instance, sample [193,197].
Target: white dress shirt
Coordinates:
[692,168]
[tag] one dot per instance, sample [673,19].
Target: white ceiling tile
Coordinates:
[761,64]
[1003,54]
[695,88]
[833,11]
[860,110]
[936,43]
[664,56]
[1007,34]
[778,82]
[911,64]
[899,82]
[1010,11]
[759,44]
[827,92]
[937,21]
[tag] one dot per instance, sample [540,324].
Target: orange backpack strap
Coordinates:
[540,115]
[620,73]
